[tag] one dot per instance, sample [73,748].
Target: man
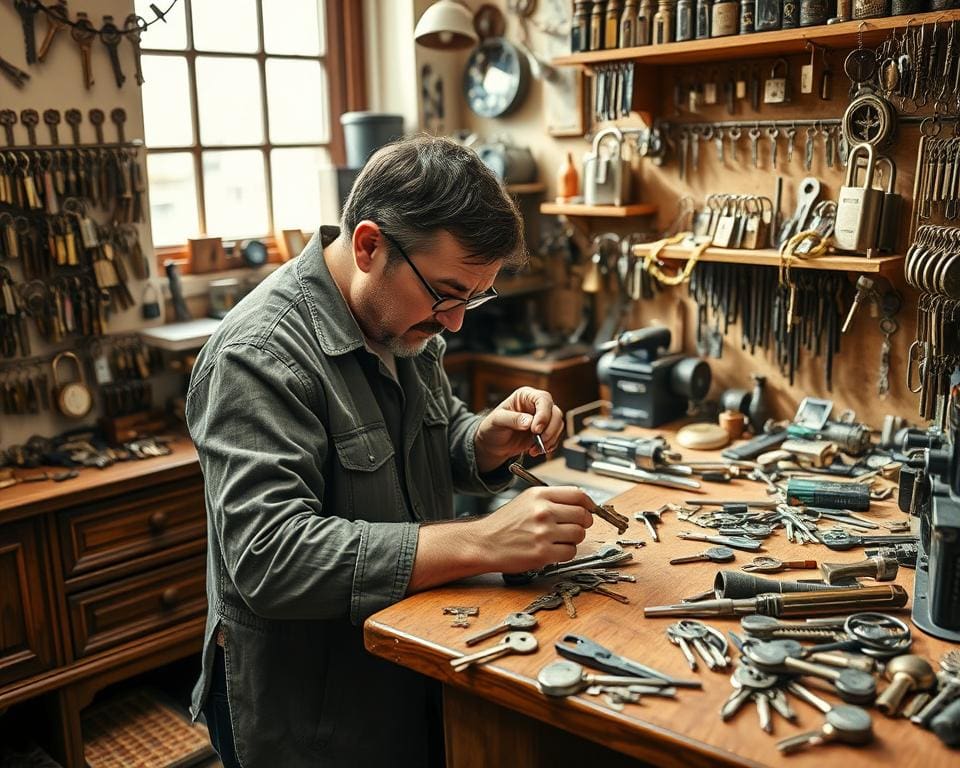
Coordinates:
[331,445]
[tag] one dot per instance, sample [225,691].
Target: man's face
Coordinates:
[393,306]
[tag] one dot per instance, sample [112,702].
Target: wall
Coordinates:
[57,83]
[857,365]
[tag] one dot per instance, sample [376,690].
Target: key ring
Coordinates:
[873,630]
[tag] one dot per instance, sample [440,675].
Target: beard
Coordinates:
[400,348]
[374,310]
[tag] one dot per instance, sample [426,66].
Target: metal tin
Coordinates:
[767,15]
[648,9]
[597,25]
[790,14]
[747,8]
[814,12]
[869,9]
[903,7]
[725,18]
[580,27]
[685,21]
[664,22]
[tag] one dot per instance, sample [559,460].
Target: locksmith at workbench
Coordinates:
[331,446]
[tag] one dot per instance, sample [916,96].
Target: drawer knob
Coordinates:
[158,521]
[170,597]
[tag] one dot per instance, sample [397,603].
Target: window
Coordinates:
[237,118]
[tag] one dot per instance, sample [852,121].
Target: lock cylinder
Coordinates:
[858,207]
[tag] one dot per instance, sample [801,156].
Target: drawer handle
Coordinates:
[170,597]
[158,521]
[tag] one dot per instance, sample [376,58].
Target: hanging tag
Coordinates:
[101,369]
[710,93]
[806,78]
[88,233]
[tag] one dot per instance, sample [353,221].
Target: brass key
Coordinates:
[119,116]
[30,118]
[96,120]
[56,21]
[83,33]
[28,11]
[52,118]
[74,117]
[8,119]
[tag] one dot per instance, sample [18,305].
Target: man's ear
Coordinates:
[367,245]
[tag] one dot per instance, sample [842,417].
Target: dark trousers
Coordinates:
[216,710]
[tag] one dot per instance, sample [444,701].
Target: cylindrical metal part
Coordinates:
[832,602]
[736,585]
[818,493]
[686,25]
[704,11]
[790,14]
[879,567]
[725,18]
[813,12]
[747,8]
[869,9]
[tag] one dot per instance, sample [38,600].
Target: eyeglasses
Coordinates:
[443,303]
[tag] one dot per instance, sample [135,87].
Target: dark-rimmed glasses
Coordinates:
[443,303]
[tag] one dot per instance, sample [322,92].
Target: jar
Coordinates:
[685,20]
[746,16]
[790,14]
[580,27]
[725,19]
[813,13]
[704,8]
[767,15]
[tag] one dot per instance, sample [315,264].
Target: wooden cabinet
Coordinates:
[572,382]
[26,637]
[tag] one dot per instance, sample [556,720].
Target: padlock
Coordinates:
[887,230]
[150,308]
[73,398]
[755,230]
[606,175]
[858,208]
[726,225]
[776,90]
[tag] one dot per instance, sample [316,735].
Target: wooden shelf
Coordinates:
[781,42]
[771,258]
[599,211]
[533,188]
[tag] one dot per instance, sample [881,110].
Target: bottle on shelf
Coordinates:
[790,14]
[664,24]
[597,14]
[611,32]
[767,15]
[686,27]
[648,9]
[725,18]
[704,8]
[628,24]
[814,12]
[568,180]
[580,26]
[747,8]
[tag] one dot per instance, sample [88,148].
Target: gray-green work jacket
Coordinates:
[313,515]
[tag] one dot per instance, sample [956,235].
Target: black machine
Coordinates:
[648,387]
[930,490]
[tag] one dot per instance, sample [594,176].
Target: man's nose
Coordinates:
[452,319]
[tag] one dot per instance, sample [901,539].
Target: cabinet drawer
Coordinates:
[26,641]
[131,526]
[131,608]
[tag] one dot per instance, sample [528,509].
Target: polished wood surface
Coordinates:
[686,731]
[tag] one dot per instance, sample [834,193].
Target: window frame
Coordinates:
[343,61]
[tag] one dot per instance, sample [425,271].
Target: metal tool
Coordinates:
[713,554]
[879,567]
[604,512]
[794,604]
[735,542]
[585,651]
[772,565]
[633,474]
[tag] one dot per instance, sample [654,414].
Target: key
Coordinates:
[74,117]
[773,133]
[594,583]
[110,36]
[567,591]
[735,542]
[805,694]
[846,724]
[585,651]
[57,18]
[133,26]
[83,33]
[746,681]
[808,149]
[96,120]
[119,116]
[778,700]
[718,143]
[791,142]
[754,135]
[842,540]
[567,678]
[866,290]
[28,11]
[52,118]
[772,565]
[713,554]
[762,702]
[513,642]
[631,543]
[30,118]
[16,75]
[734,135]
[678,638]
[8,119]
[544,603]
[647,518]
[697,633]
[513,622]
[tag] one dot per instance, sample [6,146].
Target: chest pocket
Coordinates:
[367,485]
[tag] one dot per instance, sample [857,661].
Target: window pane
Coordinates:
[296,101]
[291,27]
[171,36]
[228,92]
[167,117]
[220,26]
[173,197]
[297,199]
[236,195]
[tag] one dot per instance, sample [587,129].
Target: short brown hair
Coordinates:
[420,185]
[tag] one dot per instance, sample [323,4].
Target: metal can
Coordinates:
[767,15]
[869,9]
[814,12]
[746,16]
[790,14]
[704,11]
[725,18]
[685,20]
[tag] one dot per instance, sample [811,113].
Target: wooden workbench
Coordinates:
[495,715]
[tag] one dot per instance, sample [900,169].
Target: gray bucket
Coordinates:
[365,132]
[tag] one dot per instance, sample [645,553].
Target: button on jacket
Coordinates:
[313,515]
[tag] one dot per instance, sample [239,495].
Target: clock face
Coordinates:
[495,80]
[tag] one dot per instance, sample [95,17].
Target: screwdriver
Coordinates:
[607,513]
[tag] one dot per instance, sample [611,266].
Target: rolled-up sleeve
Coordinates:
[262,448]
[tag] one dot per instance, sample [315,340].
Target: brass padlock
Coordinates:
[755,230]
[858,208]
[74,399]
[776,90]
[726,225]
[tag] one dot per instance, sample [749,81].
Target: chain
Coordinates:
[142,23]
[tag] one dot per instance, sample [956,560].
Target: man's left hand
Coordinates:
[509,428]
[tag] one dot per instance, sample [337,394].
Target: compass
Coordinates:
[870,119]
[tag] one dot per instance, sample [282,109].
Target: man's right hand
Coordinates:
[541,525]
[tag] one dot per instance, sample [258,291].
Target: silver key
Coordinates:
[513,642]
[778,700]
[678,638]
[746,681]
[762,702]
[806,695]
[846,724]
[514,621]
[567,591]
[567,678]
